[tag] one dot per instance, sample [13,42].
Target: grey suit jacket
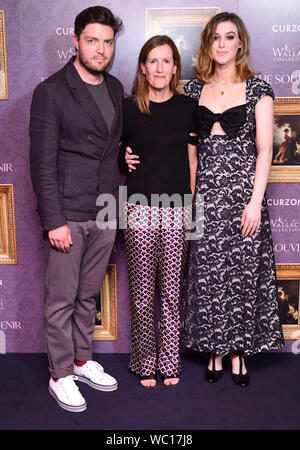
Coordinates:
[73,155]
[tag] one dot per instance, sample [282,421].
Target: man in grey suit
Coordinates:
[75,129]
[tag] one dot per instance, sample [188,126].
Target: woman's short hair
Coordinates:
[96,14]
[205,65]
[140,89]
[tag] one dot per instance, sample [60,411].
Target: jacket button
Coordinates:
[90,137]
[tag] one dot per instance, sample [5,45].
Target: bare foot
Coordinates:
[171,381]
[148,383]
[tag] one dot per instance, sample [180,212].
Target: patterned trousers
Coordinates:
[155,242]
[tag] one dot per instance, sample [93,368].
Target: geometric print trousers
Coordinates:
[156,247]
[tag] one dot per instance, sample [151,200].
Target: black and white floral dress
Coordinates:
[232,301]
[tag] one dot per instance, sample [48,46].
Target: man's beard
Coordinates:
[89,68]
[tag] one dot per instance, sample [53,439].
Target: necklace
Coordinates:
[222,92]
[219,105]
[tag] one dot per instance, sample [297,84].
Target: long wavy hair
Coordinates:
[140,89]
[205,65]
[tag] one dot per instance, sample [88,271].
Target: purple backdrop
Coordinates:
[39,42]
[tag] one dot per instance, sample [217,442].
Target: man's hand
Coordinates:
[131,159]
[60,238]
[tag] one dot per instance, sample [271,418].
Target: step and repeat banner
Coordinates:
[36,41]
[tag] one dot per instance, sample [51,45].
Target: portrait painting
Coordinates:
[286,140]
[184,26]
[288,288]
[286,147]
[8,251]
[3,66]
[106,307]
[288,297]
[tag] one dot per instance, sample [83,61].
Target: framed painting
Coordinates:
[286,143]
[106,325]
[8,252]
[184,26]
[288,286]
[3,66]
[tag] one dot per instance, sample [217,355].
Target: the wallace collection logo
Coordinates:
[281,225]
[65,54]
[285,225]
[286,53]
[67,50]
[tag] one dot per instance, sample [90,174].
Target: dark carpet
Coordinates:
[271,402]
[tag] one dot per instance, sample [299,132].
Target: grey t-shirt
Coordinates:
[103,100]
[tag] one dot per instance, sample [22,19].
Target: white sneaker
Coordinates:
[93,374]
[67,394]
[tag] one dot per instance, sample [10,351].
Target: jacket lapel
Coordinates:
[116,103]
[114,129]
[81,93]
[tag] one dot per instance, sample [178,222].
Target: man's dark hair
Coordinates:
[96,14]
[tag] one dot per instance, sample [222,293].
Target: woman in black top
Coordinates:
[157,127]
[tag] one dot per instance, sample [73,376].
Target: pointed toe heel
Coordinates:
[213,375]
[240,379]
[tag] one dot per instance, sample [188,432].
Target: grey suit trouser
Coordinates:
[73,282]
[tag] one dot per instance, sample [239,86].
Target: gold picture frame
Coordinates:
[288,285]
[286,151]
[106,323]
[8,251]
[3,65]
[184,26]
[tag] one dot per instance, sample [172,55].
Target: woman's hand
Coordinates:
[251,219]
[131,159]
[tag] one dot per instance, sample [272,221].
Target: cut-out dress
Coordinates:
[232,301]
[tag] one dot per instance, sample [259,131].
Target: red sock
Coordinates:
[79,363]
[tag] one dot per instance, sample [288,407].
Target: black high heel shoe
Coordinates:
[213,375]
[240,379]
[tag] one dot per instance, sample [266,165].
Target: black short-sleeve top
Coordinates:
[236,121]
[161,142]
